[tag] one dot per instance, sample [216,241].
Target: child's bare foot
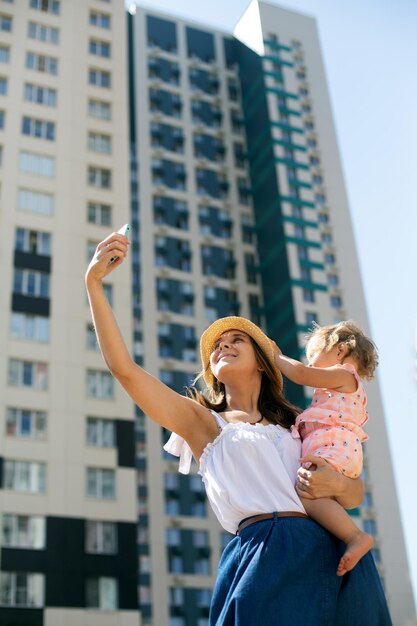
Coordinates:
[357,545]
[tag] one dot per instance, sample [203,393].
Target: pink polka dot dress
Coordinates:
[331,427]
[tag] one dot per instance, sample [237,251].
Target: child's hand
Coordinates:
[116,245]
[275,348]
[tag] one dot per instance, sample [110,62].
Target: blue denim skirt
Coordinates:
[282,572]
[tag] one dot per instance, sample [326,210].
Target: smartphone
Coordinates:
[124,230]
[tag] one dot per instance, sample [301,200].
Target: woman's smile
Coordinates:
[227,355]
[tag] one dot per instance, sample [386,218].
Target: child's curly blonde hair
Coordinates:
[360,347]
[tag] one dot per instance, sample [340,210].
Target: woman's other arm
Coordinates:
[322,481]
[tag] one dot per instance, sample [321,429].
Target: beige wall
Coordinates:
[64,449]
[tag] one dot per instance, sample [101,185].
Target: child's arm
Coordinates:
[335,377]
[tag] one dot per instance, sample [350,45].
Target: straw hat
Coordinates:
[222,325]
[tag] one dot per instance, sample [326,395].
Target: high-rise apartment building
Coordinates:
[67,466]
[220,150]
[238,207]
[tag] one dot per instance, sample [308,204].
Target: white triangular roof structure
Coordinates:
[249,29]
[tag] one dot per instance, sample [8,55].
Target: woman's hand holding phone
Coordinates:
[109,254]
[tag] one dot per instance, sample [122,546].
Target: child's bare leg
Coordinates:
[329,514]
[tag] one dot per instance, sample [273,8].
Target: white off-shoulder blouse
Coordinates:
[248,469]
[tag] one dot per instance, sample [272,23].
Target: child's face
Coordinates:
[320,358]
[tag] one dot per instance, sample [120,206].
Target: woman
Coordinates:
[280,568]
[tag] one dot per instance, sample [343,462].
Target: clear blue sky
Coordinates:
[370,51]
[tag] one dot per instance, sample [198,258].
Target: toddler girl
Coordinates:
[331,428]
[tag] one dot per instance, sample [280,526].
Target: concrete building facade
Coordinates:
[239,207]
[67,460]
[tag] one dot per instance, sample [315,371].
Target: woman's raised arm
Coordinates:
[162,404]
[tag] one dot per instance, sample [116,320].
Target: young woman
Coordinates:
[280,568]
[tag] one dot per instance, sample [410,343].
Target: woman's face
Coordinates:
[233,355]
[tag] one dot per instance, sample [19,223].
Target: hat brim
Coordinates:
[224,324]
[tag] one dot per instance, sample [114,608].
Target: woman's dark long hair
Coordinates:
[272,403]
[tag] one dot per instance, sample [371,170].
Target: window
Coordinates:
[38,128]
[99,177]
[1,119]
[101,20]
[311,317]
[100,384]
[171,481]
[176,596]
[167,377]
[101,432]
[368,500]
[5,23]
[202,566]
[100,537]
[200,539]
[336,302]
[176,565]
[3,86]
[28,374]
[97,142]
[35,202]
[203,598]
[48,6]
[91,340]
[41,63]
[25,423]
[99,214]
[31,283]
[40,95]
[102,593]
[308,295]
[145,597]
[43,33]
[25,476]
[172,506]
[333,280]
[299,231]
[29,327]
[305,273]
[99,78]
[99,109]
[376,553]
[23,531]
[101,483]
[369,526]
[100,48]
[188,355]
[21,589]
[4,54]
[36,242]
[38,164]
